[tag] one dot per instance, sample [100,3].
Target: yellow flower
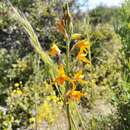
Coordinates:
[83,45]
[76,36]
[75,95]
[17,92]
[44,112]
[62,76]
[16,84]
[82,57]
[79,77]
[54,50]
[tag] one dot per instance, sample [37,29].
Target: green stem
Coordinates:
[36,123]
[67,70]
[60,93]
[74,123]
[67,57]
[79,115]
[68,117]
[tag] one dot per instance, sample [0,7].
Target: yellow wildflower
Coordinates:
[54,50]
[76,36]
[16,84]
[79,77]
[82,57]
[44,112]
[17,92]
[62,76]
[75,95]
[83,45]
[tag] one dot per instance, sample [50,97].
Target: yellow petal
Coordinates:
[61,70]
[54,50]
[79,75]
[62,76]
[82,57]
[61,79]
[83,44]
[75,95]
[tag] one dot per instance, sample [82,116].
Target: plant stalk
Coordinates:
[67,88]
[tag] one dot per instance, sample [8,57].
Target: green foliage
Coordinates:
[3,15]
[103,15]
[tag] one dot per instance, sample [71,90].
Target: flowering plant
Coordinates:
[65,75]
